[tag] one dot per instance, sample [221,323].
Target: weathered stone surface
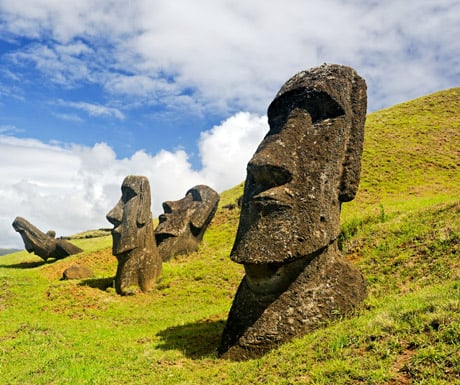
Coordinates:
[76,271]
[139,263]
[306,166]
[184,222]
[41,244]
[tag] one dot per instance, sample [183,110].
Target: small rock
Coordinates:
[77,272]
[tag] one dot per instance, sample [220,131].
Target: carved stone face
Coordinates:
[130,214]
[41,244]
[184,222]
[34,240]
[300,173]
[306,166]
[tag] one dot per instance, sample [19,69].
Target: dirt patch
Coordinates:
[400,369]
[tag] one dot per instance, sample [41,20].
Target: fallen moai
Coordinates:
[44,245]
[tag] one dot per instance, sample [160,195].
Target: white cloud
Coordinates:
[65,65]
[9,129]
[235,56]
[93,109]
[226,149]
[71,188]
[68,117]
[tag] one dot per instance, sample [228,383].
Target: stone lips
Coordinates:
[328,287]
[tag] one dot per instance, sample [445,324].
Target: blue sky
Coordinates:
[177,90]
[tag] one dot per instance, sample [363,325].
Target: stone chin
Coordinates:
[122,244]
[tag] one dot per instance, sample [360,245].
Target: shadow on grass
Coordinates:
[196,340]
[98,283]
[24,265]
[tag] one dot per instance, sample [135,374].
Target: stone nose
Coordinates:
[115,216]
[268,176]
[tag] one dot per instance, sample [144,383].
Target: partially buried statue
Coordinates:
[184,222]
[139,264]
[306,166]
[41,244]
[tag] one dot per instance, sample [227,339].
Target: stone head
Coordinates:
[131,214]
[34,239]
[184,221]
[305,167]
[41,244]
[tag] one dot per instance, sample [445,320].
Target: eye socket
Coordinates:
[318,104]
[127,193]
[267,176]
[196,196]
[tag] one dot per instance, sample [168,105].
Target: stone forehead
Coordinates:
[206,192]
[22,224]
[337,81]
[136,182]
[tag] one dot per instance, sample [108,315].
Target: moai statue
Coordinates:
[41,244]
[306,166]
[184,222]
[139,264]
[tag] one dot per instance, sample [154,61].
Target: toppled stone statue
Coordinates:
[139,264]
[184,222]
[41,244]
[306,166]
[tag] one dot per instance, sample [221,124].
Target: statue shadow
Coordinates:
[98,283]
[24,265]
[196,340]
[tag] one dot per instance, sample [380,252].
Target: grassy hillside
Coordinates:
[402,231]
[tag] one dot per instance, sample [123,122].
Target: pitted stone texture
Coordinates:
[328,287]
[306,166]
[41,244]
[76,271]
[184,222]
[139,263]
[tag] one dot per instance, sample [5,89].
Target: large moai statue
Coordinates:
[41,244]
[306,166]
[185,221]
[139,263]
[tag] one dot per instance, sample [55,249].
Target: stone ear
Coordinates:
[351,166]
[144,213]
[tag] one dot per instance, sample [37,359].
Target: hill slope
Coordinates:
[403,231]
[413,148]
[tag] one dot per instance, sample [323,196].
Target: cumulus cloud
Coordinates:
[226,149]
[70,188]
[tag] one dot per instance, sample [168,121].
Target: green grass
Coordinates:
[402,231]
